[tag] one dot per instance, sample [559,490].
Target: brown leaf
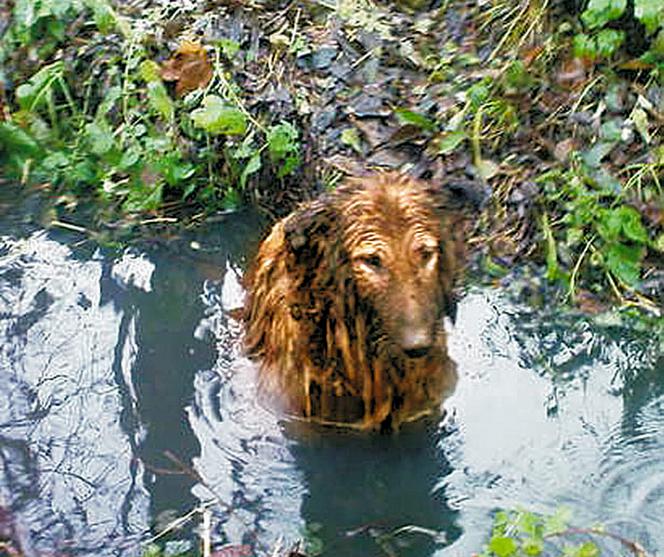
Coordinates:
[232,550]
[589,303]
[564,148]
[573,72]
[531,54]
[189,67]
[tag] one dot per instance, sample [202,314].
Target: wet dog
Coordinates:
[346,301]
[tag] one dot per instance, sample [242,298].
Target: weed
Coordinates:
[523,533]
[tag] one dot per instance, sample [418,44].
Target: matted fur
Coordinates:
[344,292]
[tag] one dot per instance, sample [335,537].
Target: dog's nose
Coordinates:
[416,343]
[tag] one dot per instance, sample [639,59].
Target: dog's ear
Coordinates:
[458,203]
[310,229]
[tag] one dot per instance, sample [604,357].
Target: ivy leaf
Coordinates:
[608,41]
[351,137]
[16,140]
[588,549]
[159,100]
[502,546]
[281,140]
[632,226]
[450,141]
[650,13]
[600,12]
[624,262]
[216,117]
[99,137]
[533,546]
[409,117]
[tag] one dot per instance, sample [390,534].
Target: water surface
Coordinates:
[125,401]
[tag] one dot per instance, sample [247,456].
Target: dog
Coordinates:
[346,300]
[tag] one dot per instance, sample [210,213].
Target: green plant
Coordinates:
[602,41]
[129,143]
[522,533]
[597,230]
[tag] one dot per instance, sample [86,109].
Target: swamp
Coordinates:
[146,147]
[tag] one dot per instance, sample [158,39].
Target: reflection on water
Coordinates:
[125,399]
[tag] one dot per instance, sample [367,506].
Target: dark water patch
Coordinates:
[125,400]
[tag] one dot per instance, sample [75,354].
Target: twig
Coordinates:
[69,226]
[577,266]
[158,220]
[206,532]
[633,546]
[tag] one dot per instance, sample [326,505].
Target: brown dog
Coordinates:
[346,301]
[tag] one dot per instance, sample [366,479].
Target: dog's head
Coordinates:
[385,245]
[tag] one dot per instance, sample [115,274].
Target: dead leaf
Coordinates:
[564,148]
[232,550]
[531,54]
[573,72]
[189,67]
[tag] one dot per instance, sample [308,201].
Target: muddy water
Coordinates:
[125,402]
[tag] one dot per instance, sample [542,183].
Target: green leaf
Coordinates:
[14,139]
[229,47]
[600,12]
[129,158]
[659,243]
[149,71]
[232,200]
[450,141]
[650,13]
[558,522]
[351,137]
[281,140]
[159,100]
[551,252]
[291,163]
[632,226]
[584,46]
[611,131]
[406,116]
[609,225]
[104,16]
[99,137]
[112,95]
[588,549]
[478,93]
[593,157]
[502,546]
[251,167]
[624,262]
[30,94]
[608,41]
[216,117]
[533,546]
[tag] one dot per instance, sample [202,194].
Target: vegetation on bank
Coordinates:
[163,113]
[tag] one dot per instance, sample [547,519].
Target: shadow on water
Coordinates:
[375,496]
[109,360]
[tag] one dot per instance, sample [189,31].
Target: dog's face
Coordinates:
[390,236]
[400,262]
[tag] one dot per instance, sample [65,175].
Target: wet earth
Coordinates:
[126,402]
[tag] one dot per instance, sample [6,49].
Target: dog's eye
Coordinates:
[372,261]
[426,254]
